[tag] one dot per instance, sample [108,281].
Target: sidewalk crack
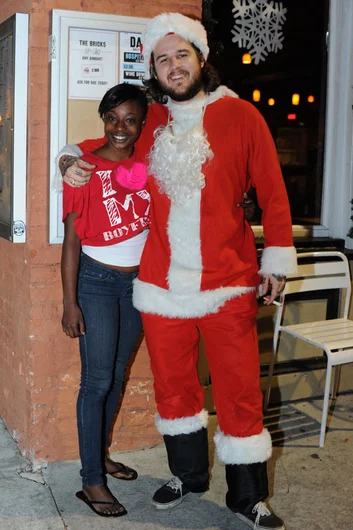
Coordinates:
[65,526]
[39,478]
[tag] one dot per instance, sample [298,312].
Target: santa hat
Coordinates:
[160,26]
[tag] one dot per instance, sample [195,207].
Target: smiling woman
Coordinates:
[123,120]
[122,127]
[108,220]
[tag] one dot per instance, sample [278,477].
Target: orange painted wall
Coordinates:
[39,365]
[15,314]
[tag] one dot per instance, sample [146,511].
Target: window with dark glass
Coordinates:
[288,88]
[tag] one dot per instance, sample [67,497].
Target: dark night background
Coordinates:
[300,67]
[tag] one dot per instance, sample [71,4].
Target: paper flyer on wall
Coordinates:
[131,63]
[93,65]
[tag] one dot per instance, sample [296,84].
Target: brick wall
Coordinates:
[39,365]
[15,314]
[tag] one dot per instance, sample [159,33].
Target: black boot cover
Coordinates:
[247,485]
[188,459]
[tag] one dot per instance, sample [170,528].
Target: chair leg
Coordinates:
[269,383]
[325,405]
[336,381]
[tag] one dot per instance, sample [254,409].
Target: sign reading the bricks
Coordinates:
[93,65]
[131,63]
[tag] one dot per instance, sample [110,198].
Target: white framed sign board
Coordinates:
[13,127]
[92,62]
[89,53]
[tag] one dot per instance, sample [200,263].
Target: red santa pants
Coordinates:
[231,346]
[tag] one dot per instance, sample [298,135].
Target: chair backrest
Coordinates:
[319,271]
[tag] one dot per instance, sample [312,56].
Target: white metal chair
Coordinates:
[319,271]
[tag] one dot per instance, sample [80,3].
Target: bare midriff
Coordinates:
[133,268]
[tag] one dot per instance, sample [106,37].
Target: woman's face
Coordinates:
[122,126]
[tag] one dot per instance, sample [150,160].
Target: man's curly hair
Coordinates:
[210,79]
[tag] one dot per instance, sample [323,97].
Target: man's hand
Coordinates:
[249,206]
[275,283]
[75,172]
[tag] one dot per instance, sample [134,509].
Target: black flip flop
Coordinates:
[124,469]
[82,497]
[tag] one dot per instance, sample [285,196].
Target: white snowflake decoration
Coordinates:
[258,27]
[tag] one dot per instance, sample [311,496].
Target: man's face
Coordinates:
[178,68]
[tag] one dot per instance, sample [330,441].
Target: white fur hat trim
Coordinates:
[189,29]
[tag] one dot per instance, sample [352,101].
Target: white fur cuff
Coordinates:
[186,425]
[70,149]
[279,260]
[247,450]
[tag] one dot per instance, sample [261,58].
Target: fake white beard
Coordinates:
[181,148]
[176,161]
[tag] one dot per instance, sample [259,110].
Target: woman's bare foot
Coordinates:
[101,493]
[118,470]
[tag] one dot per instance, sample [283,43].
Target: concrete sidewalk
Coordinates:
[311,488]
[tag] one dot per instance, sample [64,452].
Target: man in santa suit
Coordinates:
[199,272]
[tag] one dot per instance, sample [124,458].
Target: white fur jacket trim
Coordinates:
[72,150]
[150,298]
[279,260]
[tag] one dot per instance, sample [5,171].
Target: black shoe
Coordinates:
[261,518]
[169,495]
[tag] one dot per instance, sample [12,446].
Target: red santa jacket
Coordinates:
[201,253]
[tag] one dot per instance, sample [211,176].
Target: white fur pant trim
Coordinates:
[247,450]
[185,425]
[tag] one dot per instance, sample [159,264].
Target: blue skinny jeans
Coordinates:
[113,326]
